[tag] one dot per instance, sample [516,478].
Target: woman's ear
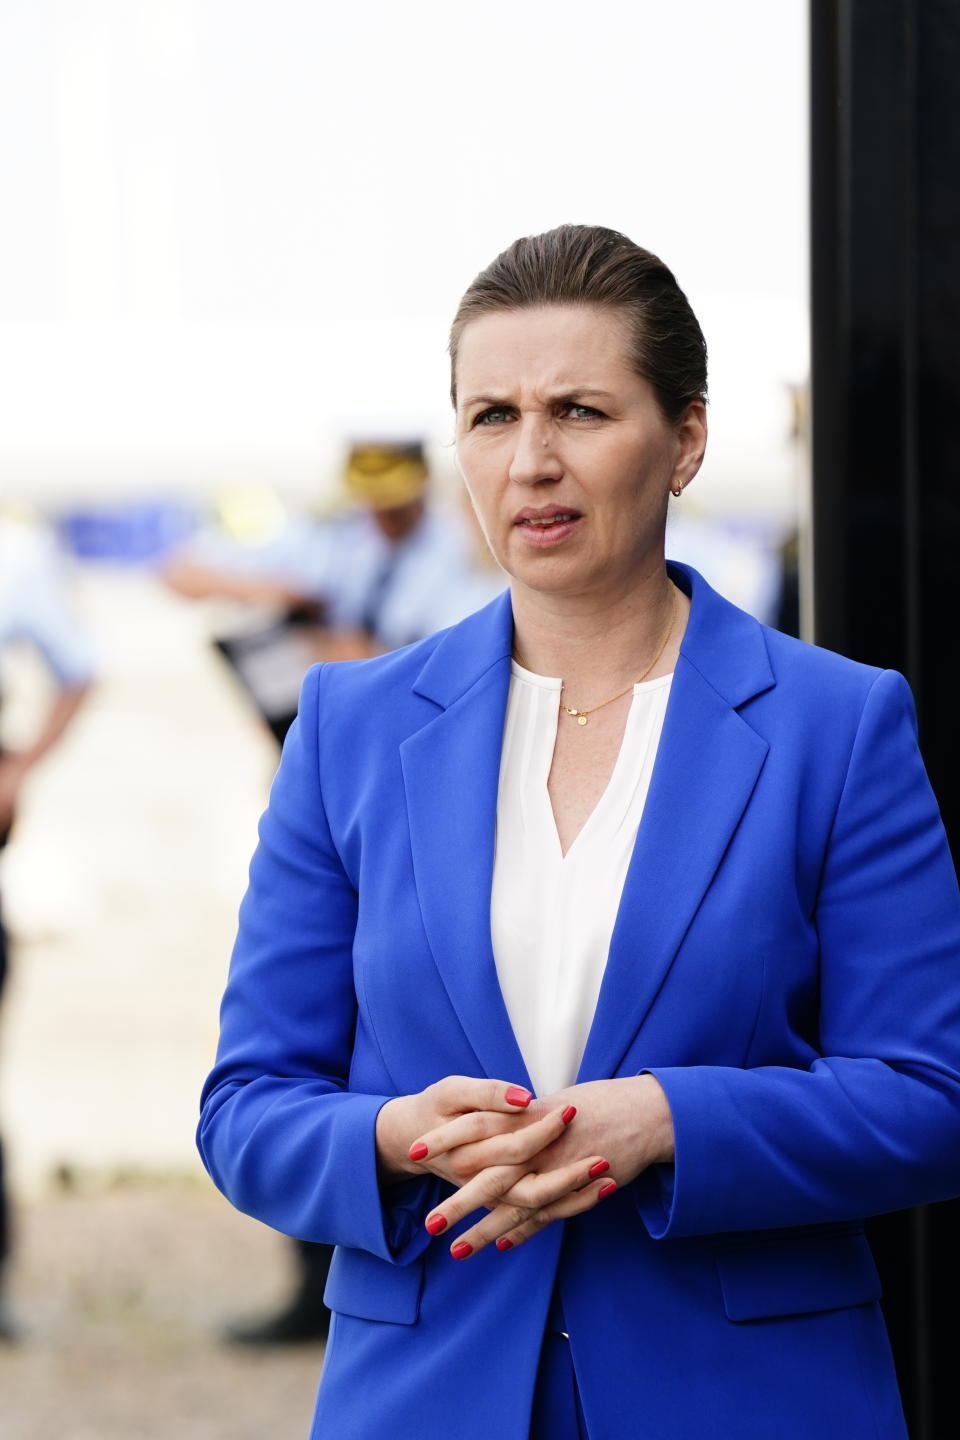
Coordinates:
[691,444]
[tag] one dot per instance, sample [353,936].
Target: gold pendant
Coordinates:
[576,714]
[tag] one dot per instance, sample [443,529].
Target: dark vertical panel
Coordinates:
[860,188]
[885,251]
[937,292]
[828,340]
[885,248]
[937,401]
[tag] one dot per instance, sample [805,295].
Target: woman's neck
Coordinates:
[598,646]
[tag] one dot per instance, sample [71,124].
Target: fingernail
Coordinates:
[568,1114]
[418,1151]
[461,1250]
[600,1167]
[436,1224]
[608,1189]
[517,1095]
[504,1243]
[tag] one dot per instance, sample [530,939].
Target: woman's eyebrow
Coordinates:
[483,400]
[580,392]
[576,392]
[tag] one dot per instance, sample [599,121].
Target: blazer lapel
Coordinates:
[706,769]
[451,769]
[707,765]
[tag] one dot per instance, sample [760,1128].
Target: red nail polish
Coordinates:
[568,1114]
[517,1095]
[504,1243]
[461,1250]
[418,1151]
[608,1189]
[599,1168]
[436,1224]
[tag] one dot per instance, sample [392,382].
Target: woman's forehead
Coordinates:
[563,345]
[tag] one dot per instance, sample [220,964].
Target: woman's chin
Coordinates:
[557,580]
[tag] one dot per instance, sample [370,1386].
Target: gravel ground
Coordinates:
[121,1290]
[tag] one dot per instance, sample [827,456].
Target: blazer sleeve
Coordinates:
[280,1133]
[874,1123]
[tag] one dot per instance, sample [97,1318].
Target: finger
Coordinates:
[575,1203]
[458,1093]
[482,1192]
[530,1198]
[505,1143]
[516,1146]
[464,1130]
[537,1190]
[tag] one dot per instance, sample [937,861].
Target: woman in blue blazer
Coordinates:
[667,1245]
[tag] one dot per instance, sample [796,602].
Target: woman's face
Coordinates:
[564,450]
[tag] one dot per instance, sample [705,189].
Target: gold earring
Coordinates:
[678,491]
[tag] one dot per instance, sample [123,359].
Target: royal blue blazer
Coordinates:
[786,960]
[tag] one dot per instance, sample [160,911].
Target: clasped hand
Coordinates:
[526,1162]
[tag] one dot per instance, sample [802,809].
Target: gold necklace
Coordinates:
[579,714]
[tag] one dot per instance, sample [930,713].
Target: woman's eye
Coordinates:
[581,412]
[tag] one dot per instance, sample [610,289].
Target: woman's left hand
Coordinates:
[626,1122]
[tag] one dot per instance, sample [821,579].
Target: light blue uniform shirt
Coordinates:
[35,604]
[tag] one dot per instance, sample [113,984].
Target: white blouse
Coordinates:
[552,915]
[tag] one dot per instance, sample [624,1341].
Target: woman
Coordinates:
[741,1016]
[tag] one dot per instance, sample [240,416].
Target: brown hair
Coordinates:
[590,265]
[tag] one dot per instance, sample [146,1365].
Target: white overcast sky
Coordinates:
[234,229]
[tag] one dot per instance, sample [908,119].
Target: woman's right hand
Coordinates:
[461,1125]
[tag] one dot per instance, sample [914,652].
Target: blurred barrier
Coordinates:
[129,532]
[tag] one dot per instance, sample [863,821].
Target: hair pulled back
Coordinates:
[590,265]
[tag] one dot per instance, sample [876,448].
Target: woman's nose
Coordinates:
[534,457]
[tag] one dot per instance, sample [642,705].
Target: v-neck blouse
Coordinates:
[552,915]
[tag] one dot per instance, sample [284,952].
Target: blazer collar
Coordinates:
[707,765]
[464,654]
[723,643]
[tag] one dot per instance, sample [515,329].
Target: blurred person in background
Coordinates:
[389,571]
[401,568]
[36,609]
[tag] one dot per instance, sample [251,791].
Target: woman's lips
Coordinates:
[543,531]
